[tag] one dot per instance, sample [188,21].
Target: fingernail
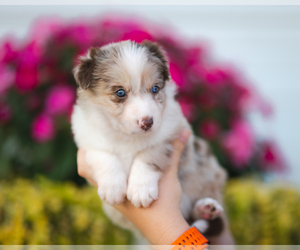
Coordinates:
[184,135]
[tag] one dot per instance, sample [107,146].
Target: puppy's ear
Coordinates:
[157,52]
[84,72]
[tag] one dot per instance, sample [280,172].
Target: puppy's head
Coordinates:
[126,81]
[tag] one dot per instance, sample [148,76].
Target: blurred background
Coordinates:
[237,71]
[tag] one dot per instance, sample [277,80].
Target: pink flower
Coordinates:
[5,113]
[187,108]
[6,78]
[243,98]
[60,100]
[27,69]
[42,129]
[7,52]
[194,55]
[137,36]
[212,77]
[270,157]
[176,74]
[44,28]
[26,77]
[215,77]
[82,34]
[207,101]
[239,143]
[109,23]
[209,129]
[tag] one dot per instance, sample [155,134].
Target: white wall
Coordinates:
[263,41]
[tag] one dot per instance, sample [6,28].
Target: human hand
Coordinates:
[162,222]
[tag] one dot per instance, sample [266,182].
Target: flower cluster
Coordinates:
[37,90]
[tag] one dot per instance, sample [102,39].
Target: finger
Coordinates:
[81,162]
[91,181]
[82,168]
[178,147]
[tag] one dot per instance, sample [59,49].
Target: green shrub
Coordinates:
[43,212]
[263,214]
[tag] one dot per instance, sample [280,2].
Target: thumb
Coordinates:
[178,147]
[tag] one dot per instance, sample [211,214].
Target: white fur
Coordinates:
[136,109]
[201,225]
[142,184]
[112,181]
[113,159]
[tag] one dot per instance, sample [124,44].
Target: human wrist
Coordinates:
[167,229]
[173,231]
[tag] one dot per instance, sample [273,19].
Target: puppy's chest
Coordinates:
[157,156]
[127,153]
[126,157]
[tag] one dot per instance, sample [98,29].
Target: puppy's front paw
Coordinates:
[112,189]
[142,192]
[208,208]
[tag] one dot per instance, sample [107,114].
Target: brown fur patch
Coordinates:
[208,151]
[185,152]
[200,162]
[84,74]
[155,167]
[168,153]
[197,146]
[156,51]
[160,97]
[215,227]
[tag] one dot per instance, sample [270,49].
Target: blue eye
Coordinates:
[121,93]
[155,89]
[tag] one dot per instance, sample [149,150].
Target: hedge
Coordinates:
[262,214]
[45,212]
[48,213]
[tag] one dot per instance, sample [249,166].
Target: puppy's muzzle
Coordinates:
[146,123]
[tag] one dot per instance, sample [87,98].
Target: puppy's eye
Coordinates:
[121,93]
[155,89]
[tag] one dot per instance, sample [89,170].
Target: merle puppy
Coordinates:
[125,117]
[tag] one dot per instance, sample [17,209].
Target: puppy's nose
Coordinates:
[146,123]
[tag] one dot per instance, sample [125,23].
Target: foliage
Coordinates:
[44,212]
[263,215]
[37,91]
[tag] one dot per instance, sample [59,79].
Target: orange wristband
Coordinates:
[191,237]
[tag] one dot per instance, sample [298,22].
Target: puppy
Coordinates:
[125,118]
